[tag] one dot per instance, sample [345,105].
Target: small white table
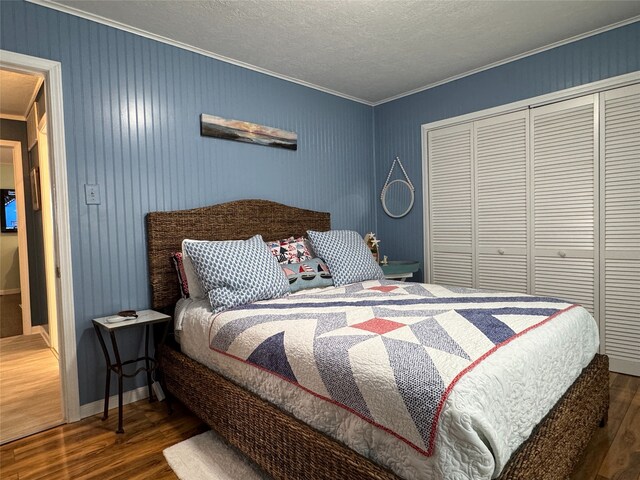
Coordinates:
[115,322]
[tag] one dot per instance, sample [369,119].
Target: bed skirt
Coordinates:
[287,448]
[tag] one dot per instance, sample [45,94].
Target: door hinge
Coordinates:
[57,271]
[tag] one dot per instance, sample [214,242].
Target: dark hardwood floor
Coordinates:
[91,449]
[614,451]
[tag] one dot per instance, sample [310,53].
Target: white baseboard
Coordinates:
[43,333]
[10,291]
[94,408]
[45,336]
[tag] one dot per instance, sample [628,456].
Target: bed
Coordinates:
[286,447]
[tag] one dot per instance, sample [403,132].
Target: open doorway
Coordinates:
[12,298]
[15,297]
[30,388]
[46,305]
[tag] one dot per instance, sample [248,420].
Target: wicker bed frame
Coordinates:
[282,445]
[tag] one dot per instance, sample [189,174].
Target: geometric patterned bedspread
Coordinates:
[390,354]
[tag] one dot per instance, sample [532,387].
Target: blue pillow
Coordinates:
[237,272]
[347,256]
[312,273]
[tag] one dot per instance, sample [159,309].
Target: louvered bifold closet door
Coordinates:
[564,174]
[620,228]
[450,206]
[501,151]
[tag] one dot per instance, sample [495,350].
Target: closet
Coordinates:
[545,201]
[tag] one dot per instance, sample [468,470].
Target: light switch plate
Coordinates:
[92,194]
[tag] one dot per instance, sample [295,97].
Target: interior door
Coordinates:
[501,160]
[451,206]
[620,228]
[564,146]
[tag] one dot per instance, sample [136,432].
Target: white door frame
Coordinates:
[23,253]
[52,72]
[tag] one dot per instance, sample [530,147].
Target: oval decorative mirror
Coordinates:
[397,196]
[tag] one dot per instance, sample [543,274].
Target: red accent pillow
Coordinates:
[176,258]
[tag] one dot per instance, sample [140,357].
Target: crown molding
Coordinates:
[7,116]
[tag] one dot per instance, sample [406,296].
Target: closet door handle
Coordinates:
[501,251]
[562,253]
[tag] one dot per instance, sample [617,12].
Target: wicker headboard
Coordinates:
[227,221]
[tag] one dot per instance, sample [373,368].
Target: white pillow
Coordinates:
[196,290]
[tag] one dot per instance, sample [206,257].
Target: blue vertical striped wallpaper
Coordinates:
[397,123]
[132,109]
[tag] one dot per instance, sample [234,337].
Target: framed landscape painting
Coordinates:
[212,126]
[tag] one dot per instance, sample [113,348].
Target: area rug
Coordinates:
[207,457]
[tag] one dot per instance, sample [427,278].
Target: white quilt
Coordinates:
[487,415]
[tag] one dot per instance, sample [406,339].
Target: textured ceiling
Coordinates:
[369,50]
[16,92]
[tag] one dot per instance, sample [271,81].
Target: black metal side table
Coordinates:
[111,324]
